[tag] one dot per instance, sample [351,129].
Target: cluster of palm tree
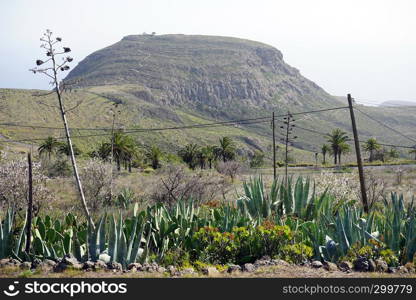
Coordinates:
[123,150]
[51,146]
[337,146]
[204,157]
[377,152]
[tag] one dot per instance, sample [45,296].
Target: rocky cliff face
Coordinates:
[200,70]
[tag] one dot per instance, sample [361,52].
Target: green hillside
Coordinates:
[176,80]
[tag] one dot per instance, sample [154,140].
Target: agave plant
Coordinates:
[256,203]
[6,234]
[126,248]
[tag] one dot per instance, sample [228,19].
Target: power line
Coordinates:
[179,127]
[387,126]
[361,141]
[142,130]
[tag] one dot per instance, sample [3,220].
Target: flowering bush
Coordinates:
[14,185]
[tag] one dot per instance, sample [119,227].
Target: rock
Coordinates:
[410,267]
[161,269]
[210,271]
[249,268]
[361,264]
[36,262]
[372,267]
[264,261]
[391,270]
[115,266]
[188,271]
[134,267]
[280,262]
[60,267]
[4,262]
[7,262]
[104,257]
[88,265]
[150,267]
[402,270]
[234,269]
[173,271]
[330,267]
[381,265]
[100,265]
[46,266]
[345,266]
[316,264]
[26,265]
[70,260]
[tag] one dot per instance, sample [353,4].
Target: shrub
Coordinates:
[96,181]
[242,245]
[229,168]
[296,253]
[14,185]
[59,168]
[177,183]
[176,257]
[215,247]
[374,251]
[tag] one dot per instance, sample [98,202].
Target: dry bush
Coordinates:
[96,182]
[375,187]
[229,168]
[178,183]
[342,187]
[14,185]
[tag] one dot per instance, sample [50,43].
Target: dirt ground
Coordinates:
[277,271]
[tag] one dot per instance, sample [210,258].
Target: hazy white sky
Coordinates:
[363,47]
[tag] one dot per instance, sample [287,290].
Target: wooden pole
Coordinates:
[286,147]
[274,147]
[29,205]
[358,154]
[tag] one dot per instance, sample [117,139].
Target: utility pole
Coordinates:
[274,147]
[29,204]
[112,153]
[287,140]
[358,153]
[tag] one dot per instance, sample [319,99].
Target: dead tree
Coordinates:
[51,68]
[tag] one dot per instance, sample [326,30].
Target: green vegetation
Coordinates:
[290,223]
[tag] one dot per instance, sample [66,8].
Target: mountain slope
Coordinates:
[174,80]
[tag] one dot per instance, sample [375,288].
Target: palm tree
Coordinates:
[413,151]
[226,149]
[209,154]
[336,138]
[154,154]
[371,146]
[393,153]
[122,147]
[64,149]
[48,146]
[344,148]
[325,149]
[189,155]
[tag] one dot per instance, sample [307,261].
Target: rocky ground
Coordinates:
[265,267]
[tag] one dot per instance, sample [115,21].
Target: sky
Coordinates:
[365,47]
